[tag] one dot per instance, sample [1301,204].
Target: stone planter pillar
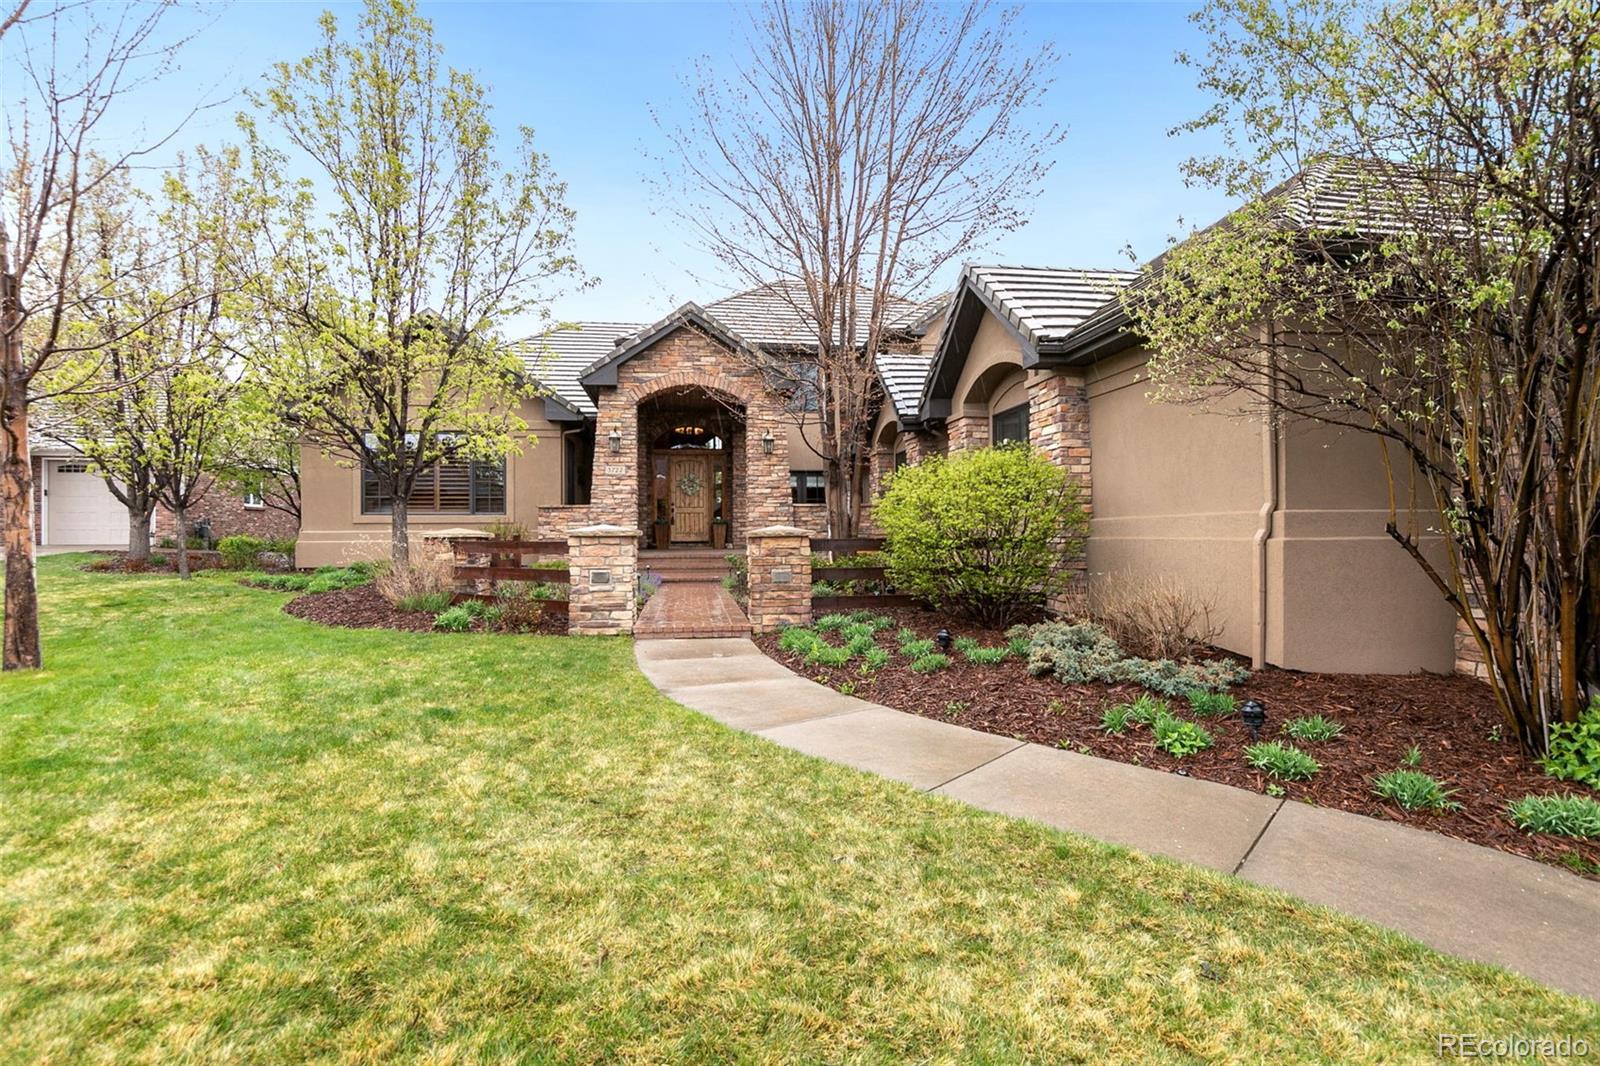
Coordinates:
[779,558]
[603,561]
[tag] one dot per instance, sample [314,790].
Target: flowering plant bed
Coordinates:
[1424,724]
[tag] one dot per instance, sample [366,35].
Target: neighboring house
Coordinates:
[684,428]
[73,507]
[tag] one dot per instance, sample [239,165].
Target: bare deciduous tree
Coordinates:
[856,152]
[74,63]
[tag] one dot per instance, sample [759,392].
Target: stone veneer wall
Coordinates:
[605,608]
[1058,427]
[968,432]
[779,558]
[688,360]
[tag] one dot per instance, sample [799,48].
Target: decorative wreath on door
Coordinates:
[689,484]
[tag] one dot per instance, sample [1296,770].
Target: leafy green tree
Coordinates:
[982,532]
[1427,274]
[389,245]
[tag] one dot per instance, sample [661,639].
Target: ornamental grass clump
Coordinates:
[1414,790]
[1283,761]
[798,640]
[1312,727]
[1212,704]
[1566,816]
[927,664]
[982,532]
[916,649]
[1116,720]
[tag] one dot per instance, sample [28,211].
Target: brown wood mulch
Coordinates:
[363,608]
[1453,720]
[160,562]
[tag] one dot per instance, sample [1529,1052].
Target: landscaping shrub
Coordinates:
[330,578]
[282,582]
[1312,727]
[1146,709]
[1283,761]
[916,649]
[1413,790]
[1076,652]
[457,619]
[1179,737]
[828,655]
[875,657]
[927,664]
[829,623]
[982,532]
[506,529]
[281,545]
[424,584]
[1157,617]
[905,635]
[521,605]
[986,656]
[798,640]
[239,552]
[1567,816]
[1212,704]
[1117,719]
[1574,752]
[738,580]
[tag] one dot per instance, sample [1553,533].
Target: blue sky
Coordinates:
[585,77]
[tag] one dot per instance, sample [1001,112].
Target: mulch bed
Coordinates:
[363,608]
[160,562]
[1453,720]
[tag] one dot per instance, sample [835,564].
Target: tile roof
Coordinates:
[777,314]
[1045,304]
[558,357]
[903,377]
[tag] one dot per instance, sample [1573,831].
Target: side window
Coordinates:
[1010,426]
[807,486]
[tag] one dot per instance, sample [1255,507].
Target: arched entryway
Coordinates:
[692,462]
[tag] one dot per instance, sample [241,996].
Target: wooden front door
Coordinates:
[689,483]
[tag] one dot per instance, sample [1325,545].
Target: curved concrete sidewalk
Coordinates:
[1460,898]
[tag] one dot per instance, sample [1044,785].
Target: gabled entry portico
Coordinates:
[688,436]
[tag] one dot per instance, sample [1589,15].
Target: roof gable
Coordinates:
[558,357]
[603,372]
[1040,306]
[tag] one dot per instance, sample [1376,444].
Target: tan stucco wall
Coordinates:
[1180,491]
[333,530]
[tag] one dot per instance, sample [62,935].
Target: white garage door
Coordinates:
[80,509]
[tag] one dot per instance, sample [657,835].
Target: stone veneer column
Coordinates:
[968,432]
[1058,428]
[603,561]
[779,558]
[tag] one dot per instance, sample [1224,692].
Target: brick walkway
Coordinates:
[691,609]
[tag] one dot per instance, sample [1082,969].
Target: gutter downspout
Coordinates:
[1269,505]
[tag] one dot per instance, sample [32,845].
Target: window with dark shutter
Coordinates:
[807,486]
[452,487]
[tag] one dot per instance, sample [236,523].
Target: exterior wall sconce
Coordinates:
[767,442]
[614,439]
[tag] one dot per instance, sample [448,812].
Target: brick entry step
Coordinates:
[691,609]
[707,565]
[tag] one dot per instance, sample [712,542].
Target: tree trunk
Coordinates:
[16,538]
[399,534]
[183,542]
[139,534]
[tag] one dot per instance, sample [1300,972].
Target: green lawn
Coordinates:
[229,834]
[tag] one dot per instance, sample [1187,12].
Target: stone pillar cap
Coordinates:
[779,531]
[602,530]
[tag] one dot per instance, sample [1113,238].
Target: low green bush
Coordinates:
[1116,719]
[281,582]
[828,623]
[905,635]
[1567,816]
[860,644]
[282,545]
[982,532]
[1312,727]
[329,578]
[927,664]
[916,649]
[798,640]
[1574,752]
[828,655]
[1284,761]
[239,552]
[1414,790]
[1077,652]
[1146,709]
[1212,704]
[1179,737]
[987,656]
[457,619]
[875,658]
